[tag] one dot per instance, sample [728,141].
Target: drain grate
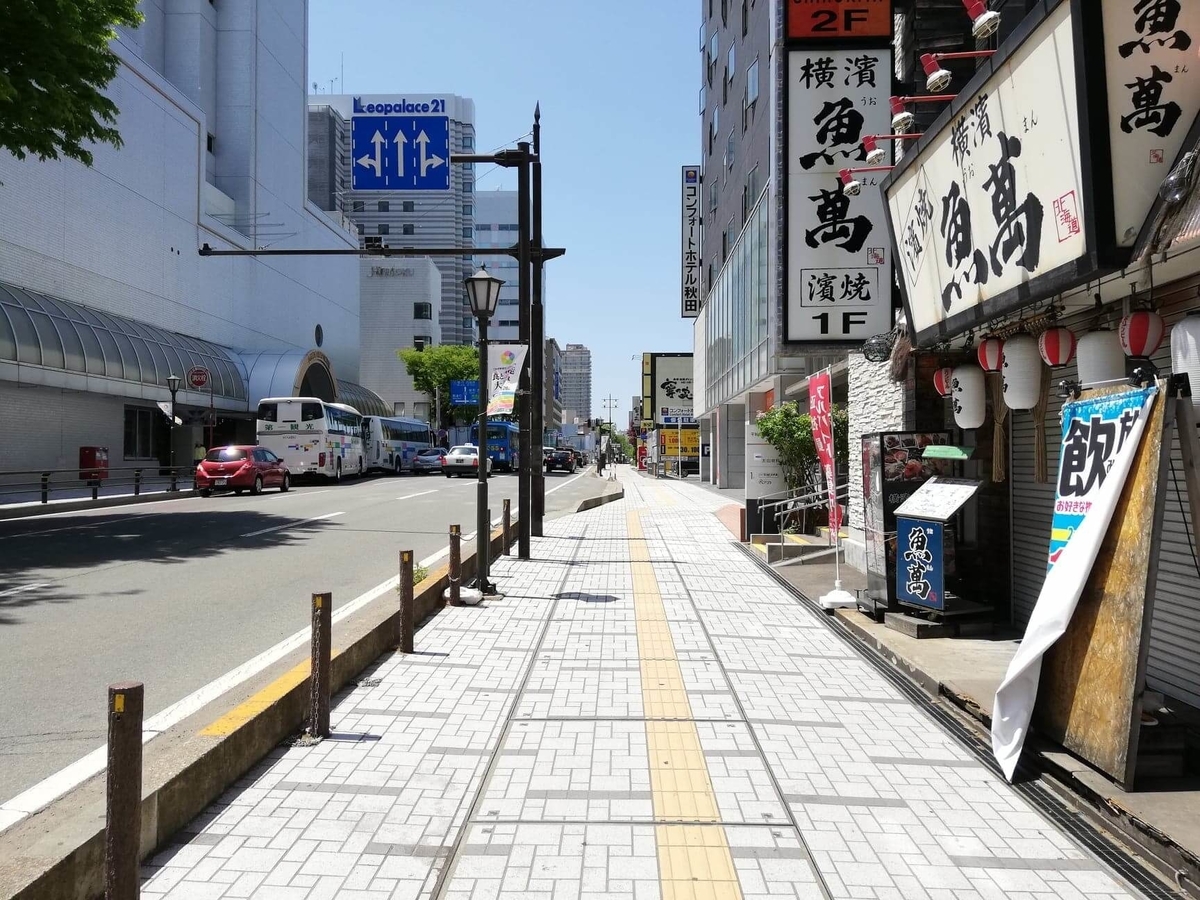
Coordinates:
[1109,852]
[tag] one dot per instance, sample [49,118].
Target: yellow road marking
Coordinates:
[244,712]
[694,862]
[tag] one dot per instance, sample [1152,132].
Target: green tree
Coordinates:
[55,63]
[433,368]
[789,431]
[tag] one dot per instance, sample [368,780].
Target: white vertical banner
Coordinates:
[689,276]
[504,372]
[839,255]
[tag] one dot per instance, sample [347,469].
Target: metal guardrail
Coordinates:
[40,485]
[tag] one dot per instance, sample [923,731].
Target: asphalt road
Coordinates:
[177,593]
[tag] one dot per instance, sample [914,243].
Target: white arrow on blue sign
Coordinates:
[400,153]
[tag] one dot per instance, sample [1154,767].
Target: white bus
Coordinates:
[393,442]
[313,437]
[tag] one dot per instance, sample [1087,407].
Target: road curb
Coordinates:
[45,509]
[594,502]
[59,851]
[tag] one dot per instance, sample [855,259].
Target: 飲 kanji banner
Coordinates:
[504,371]
[1100,437]
[820,401]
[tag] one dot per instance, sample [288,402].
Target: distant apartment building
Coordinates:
[401,218]
[496,226]
[552,416]
[577,380]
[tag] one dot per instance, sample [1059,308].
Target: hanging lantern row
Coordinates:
[1100,354]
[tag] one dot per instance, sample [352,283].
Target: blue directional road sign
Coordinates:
[400,153]
[464,393]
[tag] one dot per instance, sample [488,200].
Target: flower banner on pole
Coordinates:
[820,404]
[504,372]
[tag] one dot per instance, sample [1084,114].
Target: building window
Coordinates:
[745,17]
[145,429]
[409,206]
[466,232]
[484,226]
[730,150]
[383,228]
[397,407]
[409,229]
[319,335]
[713,187]
[468,209]
[212,143]
[713,48]
[752,84]
[468,142]
[731,63]
[725,13]
[468,187]
[372,243]
[726,237]
[508,226]
[703,37]
[384,206]
[358,206]
[362,229]
[703,98]
[713,127]
[749,193]
[421,341]
[422,310]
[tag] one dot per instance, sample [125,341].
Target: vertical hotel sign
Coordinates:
[689,278]
[839,258]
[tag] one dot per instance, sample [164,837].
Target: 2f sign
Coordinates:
[816,20]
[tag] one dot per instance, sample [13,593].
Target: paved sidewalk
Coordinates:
[645,714]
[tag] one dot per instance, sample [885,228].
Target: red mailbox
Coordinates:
[93,463]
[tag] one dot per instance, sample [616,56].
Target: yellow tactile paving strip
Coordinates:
[693,859]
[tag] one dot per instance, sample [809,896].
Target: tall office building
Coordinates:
[577,380]
[396,218]
[496,226]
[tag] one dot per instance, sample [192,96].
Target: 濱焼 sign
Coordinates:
[819,20]
[839,259]
[1028,185]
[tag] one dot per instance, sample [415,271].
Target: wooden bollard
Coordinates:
[319,682]
[455,565]
[123,792]
[407,613]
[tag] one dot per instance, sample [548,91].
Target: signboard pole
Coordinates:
[212,414]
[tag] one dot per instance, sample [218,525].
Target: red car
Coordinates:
[241,468]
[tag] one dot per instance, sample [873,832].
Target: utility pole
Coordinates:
[528,461]
[537,337]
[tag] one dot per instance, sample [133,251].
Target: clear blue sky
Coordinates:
[618,83]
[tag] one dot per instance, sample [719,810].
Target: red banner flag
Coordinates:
[820,404]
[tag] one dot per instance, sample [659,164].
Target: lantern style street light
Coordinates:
[483,293]
[173,386]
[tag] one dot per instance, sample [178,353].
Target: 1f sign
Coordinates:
[809,20]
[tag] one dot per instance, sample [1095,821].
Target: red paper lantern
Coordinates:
[943,381]
[1057,346]
[1141,333]
[991,354]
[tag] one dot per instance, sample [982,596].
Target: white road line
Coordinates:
[295,493]
[12,592]
[565,483]
[50,789]
[418,494]
[291,524]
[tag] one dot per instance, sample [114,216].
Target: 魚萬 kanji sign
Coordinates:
[839,259]
[820,411]
[689,277]
[1153,96]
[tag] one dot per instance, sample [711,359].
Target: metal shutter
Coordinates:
[1174,658]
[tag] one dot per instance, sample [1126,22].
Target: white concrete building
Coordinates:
[401,300]
[102,291]
[577,380]
[496,226]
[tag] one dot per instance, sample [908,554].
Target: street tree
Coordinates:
[790,432]
[433,368]
[55,62]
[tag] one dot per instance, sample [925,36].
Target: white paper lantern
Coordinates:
[1185,353]
[1022,372]
[969,396]
[1100,357]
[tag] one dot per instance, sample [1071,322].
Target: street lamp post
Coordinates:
[483,292]
[173,386]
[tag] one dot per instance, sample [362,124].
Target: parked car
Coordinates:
[581,459]
[428,460]
[560,458]
[463,460]
[240,468]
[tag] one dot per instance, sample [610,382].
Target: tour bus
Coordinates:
[393,442]
[503,444]
[313,437]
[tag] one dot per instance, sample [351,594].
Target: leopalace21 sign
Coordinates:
[1011,197]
